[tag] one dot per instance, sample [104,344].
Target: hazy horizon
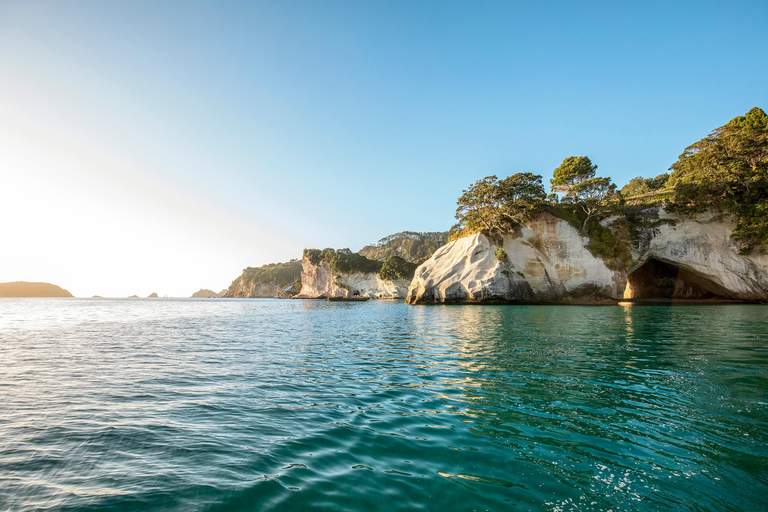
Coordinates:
[163,147]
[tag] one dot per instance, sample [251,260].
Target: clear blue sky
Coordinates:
[334,123]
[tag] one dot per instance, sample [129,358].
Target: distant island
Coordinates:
[25,289]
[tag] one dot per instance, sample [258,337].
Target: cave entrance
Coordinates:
[657,279]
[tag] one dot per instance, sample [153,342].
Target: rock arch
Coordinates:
[657,278]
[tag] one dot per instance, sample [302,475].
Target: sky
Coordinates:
[164,146]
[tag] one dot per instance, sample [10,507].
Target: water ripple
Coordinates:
[289,405]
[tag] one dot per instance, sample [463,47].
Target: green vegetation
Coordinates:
[496,207]
[409,245]
[279,274]
[594,196]
[396,267]
[343,261]
[501,254]
[726,171]
[641,186]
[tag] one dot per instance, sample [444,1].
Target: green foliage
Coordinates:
[280,274]
[313,255]
[611,243]
[573,170]
[411,246]
[342,261]
[501,254]
[640,186]
[594,196]
[728,171]
[496,207]
[396,267]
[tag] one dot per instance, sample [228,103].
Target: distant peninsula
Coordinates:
[25,289]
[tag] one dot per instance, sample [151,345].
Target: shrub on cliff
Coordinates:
[728,171]
[496,207]
[396,267]
[280,274]
[342,261]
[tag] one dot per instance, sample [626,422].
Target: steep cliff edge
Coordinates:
[547,260]
[267,281]
[319,280]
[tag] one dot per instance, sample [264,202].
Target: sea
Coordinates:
[261,405]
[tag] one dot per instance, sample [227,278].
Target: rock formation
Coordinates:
[319,281]
[547,260]
[245,289]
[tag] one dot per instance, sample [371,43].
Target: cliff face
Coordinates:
[547,261]
[695,258]
[244,289]
[320,281]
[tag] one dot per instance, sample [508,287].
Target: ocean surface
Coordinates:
[228,405]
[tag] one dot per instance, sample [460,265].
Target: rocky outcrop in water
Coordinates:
[547,260]
[319,281]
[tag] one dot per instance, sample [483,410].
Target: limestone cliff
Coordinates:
[547,260]
[320,281]
[248,289]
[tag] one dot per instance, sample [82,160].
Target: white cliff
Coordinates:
[703,257]
[319,281]
[548,261]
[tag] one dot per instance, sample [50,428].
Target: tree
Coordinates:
[396,267]
[575,178]
[638,186]
[594,197]
[728,171]
[496,207]
[573,170]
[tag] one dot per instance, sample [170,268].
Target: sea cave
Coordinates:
[656,279]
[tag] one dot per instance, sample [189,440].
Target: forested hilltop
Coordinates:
[269,280]
[393,257]
[409,245]
[726,172]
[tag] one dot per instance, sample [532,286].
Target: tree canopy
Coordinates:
[409,245]
[728,171]
[396,267]
[575,178]
[573,170]
[496,206]
[639,185]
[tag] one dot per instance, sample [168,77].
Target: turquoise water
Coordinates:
[287,405]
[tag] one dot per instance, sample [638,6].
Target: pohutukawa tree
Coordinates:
[496,207]
[728,171]
[575,179]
